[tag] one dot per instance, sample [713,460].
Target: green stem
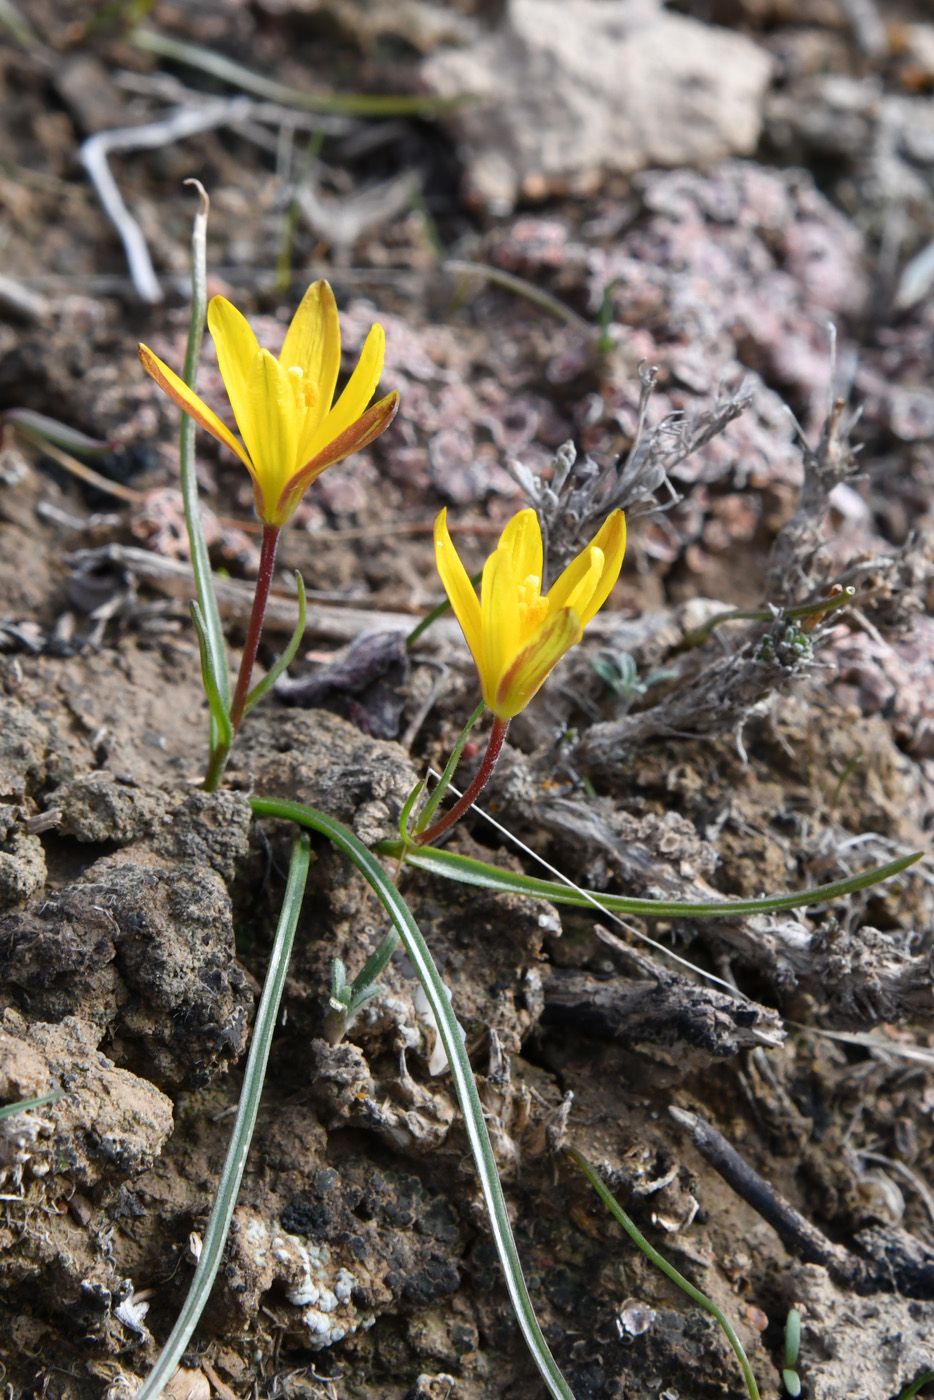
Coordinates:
[215,647]
[484,772]
[215,1235]
[267,563]
[652,1254]
[431,806]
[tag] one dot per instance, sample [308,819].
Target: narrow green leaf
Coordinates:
[529,290]
[220,719]
[364,984]
[818,609]
[468,871]
[431,806]
[25,1105]
[912,1388]
[200,561]
[436,612]
[660,1262]
[338,980]
[461,1073]
[40,428]
[345,103]
[407,808]
[792,1338]
[215,1236]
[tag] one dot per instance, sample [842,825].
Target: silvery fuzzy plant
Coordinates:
[708,697]
[581,493]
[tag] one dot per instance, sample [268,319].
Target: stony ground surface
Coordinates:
[674,236]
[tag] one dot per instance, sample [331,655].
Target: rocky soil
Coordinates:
[695,242]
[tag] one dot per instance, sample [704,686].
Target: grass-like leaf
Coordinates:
[431,806]
[468,871]
[660,1262]
[351,104]
[911,1389]
[285,660]
[24,1105]
[221,728]
[214,649]
[461,1072]
[215,1235]
[42,429]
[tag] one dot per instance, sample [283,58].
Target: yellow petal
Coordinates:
[360,434]
[581,595]
[458,587]
[271,429]
[187,399]
[534,663]
[237,348]
[500,628]
[313,343]
[610,541]
[357,394]
[522,537]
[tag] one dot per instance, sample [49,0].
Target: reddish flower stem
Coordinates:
[267,560]
[484,772]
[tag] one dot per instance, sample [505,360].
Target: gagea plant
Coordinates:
[516,634]
[290,427]
[290,430]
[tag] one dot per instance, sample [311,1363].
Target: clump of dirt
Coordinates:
[105,1129]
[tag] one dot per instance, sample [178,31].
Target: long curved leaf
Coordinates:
[215,1236]
[461,1073]
[468,871]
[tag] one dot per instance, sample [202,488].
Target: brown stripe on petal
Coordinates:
[531,667]
[153,366]
[191,404]
[359,435]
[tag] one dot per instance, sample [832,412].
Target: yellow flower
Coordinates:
[517,636]
[283,407]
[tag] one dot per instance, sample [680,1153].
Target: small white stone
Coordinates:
[316,1322]
[303,1293]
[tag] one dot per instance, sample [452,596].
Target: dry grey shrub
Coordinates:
[709,697]
[796,572]
[581,494]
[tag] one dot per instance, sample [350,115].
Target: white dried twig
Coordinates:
[94,152]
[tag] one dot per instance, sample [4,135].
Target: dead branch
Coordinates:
[691,1024]
[896,1262]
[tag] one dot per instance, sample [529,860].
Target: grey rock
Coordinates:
[574,89]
